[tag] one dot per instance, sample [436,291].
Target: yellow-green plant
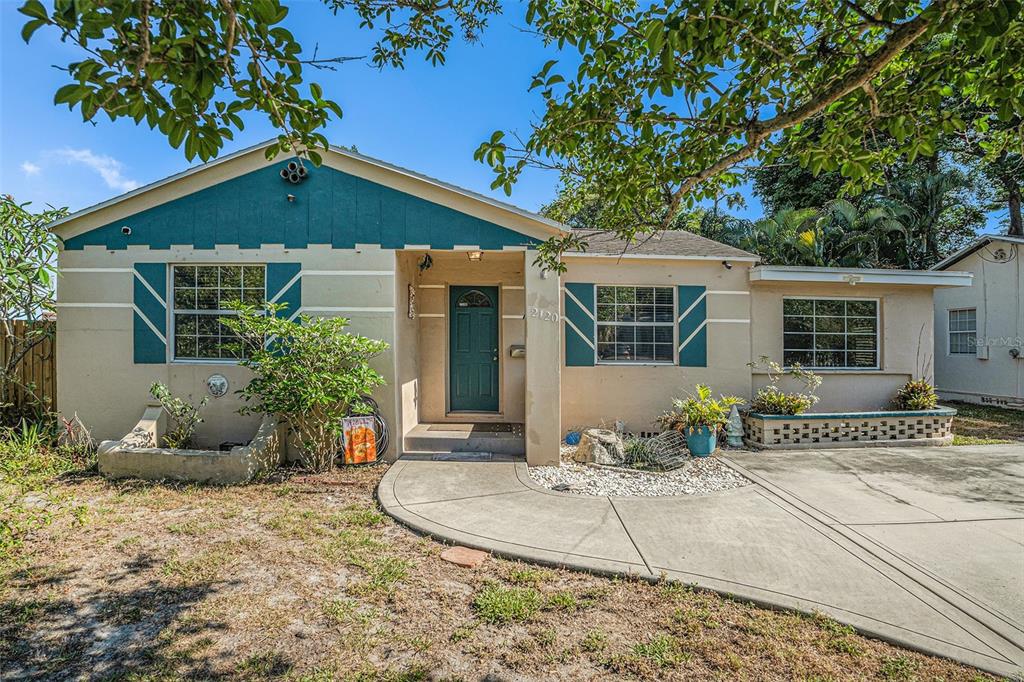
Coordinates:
[916,394]
[697,410]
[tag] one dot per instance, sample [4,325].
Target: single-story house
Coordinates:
[478,333]
[979,330]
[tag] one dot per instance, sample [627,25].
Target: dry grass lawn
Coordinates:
[303,578]
[985,424]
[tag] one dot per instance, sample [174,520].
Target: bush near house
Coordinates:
[916,394]
[308,370]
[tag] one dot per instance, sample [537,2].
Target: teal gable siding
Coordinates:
[330,207]
[579,325]
[693,329]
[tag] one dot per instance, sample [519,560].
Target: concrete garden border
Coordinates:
[136,455]
[848,429]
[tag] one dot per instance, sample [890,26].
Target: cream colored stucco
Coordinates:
[997,294]
[637,394]
[905,345]
[97,379]
[543,382]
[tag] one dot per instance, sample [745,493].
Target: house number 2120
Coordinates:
[546,315]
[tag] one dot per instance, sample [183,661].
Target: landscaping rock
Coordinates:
[464,556]
[600,446]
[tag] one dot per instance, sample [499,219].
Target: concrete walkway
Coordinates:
[923,547]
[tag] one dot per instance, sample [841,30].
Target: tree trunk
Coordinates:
[1013,192]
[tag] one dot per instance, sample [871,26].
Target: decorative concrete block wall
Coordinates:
[848,429]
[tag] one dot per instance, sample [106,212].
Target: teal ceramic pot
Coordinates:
[701,441]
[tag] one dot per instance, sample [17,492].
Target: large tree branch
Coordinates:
[758,131]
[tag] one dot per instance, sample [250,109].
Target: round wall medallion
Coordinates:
[217,384]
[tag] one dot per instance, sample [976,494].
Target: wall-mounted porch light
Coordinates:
[476,256]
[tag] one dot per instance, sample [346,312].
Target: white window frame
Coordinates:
[674,324]
[878,332]
[950,332]
[172,311]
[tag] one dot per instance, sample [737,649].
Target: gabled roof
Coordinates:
[673,244]
[974,246]
[220,165]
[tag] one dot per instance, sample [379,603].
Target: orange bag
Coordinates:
[360,440]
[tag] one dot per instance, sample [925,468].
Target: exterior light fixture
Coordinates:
[727,265]
[476,256]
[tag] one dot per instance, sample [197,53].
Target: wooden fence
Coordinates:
[38,368]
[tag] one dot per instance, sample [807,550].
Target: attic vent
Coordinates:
[294,173]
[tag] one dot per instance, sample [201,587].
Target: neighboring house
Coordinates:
[979,330]
[478,333]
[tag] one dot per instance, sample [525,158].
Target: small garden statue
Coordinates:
[734,429]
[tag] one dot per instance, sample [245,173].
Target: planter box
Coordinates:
[848,429]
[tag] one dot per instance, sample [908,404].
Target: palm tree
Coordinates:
[924,206]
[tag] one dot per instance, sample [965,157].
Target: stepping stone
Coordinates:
[464,556]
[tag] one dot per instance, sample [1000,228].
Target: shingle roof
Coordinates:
[670,243]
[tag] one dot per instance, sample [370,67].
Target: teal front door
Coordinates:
[473,349]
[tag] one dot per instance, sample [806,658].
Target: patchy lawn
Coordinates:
[303,578]
[985,424]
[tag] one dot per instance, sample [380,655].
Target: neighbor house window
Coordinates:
[963,331]
[830,333]
[635,324]
[201,297]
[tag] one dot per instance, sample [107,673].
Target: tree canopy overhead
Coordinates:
[192,68]
[671,99]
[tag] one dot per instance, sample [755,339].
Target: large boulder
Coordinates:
[600,446]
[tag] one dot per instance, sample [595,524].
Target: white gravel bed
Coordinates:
[699,476]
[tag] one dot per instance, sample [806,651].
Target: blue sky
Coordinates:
[428,119]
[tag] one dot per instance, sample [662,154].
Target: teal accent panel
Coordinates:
[695,352]
[148,346]
[578,352]
[280,286]
[329,207]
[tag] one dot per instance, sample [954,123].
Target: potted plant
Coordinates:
[699,417]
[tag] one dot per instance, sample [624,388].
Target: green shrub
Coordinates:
[916,394]
[773,400]
[697,410]
[308,370]
[183,416]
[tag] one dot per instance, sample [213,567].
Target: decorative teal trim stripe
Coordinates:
[329,207]
[284,285]
[692,309]
[579,325]
[149,319]
[940,412]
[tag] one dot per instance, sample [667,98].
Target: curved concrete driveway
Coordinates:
[923,547]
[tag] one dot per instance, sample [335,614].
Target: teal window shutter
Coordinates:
[693,326]
[149,313]
[579,325]
[284,285]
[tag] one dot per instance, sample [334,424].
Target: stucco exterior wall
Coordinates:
[637,394]
[504,270]
[98,380]
[905,348]
[997,294]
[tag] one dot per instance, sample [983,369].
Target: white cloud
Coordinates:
[30,168]
[109,168]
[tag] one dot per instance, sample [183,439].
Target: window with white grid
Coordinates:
[635,324]
[963,331]
[202,294]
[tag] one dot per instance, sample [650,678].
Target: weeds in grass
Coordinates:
[204,567]
[529,575]
[382,573]
[898,668]
[839,638]
[594,642]
[567,601]
[359,515]
[497,604]
[662,650]
[462,632]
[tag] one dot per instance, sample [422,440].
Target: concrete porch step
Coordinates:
[434,439]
